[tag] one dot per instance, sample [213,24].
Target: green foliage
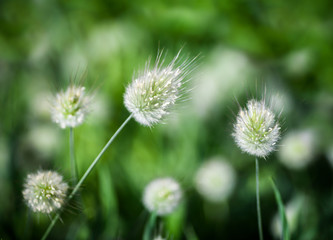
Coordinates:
[244,47]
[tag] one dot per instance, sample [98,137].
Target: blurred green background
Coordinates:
[244,47]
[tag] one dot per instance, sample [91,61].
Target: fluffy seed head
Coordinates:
[215,180]
[162,196]
[256,130]
[151,96]
[70,107]
[298,149]
[45,191]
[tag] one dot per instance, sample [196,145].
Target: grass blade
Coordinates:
[282,213]
[149,227]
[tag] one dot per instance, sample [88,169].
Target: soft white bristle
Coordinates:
[162,196]
[69,108]
[45,191]
[256,130]
[151,96]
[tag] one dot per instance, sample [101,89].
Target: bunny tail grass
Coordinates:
[85,175]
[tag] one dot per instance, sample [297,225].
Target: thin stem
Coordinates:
[258,201]
[85,175]
[149,226]
[72,155]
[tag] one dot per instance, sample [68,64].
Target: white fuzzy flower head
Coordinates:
[45,191]
[298,149]
[256,130]
[151,96]
[215,180]
[162,196]
[70,107]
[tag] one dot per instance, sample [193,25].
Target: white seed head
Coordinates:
[256,130]
[215,180]
[298,149]
[151,96]
[70,107]
[45,191]
[44,139]
[225,72]
[162,196]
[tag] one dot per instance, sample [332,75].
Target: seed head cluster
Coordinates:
[70,107]
[162,196]
[151,96]
[256,130]
[45,191]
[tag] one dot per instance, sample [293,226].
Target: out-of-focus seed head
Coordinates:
[298,149]
[215,179]
[151,96]
[69,108]
[162,196]
[45,191]
[256,130]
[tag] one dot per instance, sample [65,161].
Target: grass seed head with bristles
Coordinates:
[151,96]
[162,196]
[45,191]
[256,131]
[70,107]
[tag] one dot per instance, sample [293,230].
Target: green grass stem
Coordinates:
[85,175]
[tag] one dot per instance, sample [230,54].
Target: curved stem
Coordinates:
[85,175]
[258,201]
[72,155]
